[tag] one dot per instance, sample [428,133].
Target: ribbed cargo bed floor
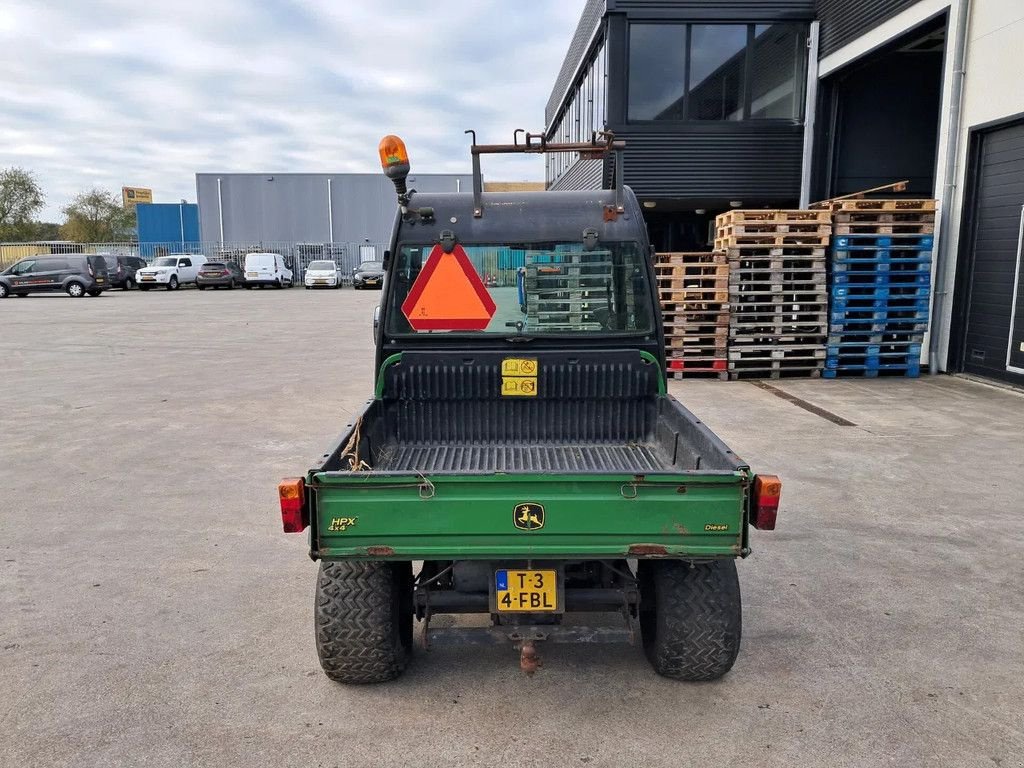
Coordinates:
[598,457]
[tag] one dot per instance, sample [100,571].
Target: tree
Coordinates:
[97,216]
[20,198]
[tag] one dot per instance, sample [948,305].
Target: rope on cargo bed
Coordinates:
[350,453]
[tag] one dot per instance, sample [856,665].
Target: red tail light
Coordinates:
[767,492]
[292,493]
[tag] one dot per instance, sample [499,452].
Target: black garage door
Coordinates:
[992,256]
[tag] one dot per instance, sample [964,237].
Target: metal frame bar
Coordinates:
[537,144]
[1013,303]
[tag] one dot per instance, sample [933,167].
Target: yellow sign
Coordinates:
[134,195]
[519,377]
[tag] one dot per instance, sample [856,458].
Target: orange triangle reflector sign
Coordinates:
[448,295]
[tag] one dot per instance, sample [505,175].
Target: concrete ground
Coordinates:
[151,611]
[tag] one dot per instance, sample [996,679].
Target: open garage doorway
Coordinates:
[881,117]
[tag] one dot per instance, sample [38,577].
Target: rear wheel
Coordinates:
[690,617]
[94,292]
[200,286]
[128,283]
[363,620]
[5,291]
[75,290]
[143,287]
[231,284]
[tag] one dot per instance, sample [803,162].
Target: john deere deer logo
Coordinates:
[528,516]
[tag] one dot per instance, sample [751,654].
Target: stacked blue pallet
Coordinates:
[880,296]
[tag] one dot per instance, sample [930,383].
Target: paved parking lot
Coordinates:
[153,613]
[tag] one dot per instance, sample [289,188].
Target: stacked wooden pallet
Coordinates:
[881,283]
[778,294]
[694,291]
[569,292]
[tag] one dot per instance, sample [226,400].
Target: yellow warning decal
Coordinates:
[519,377]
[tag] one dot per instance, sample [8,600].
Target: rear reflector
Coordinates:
[767,492]
[292,493]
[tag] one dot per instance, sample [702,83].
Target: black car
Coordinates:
[369,274]
[220,273]
[121,269]
[77,274]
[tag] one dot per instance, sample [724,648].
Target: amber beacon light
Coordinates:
[394,159]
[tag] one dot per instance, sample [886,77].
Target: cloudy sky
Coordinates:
[131,92]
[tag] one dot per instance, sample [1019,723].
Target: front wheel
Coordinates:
[4,291]
[363,620]
[172,284]
[690,617]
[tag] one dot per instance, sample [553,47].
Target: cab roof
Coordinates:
[510,217]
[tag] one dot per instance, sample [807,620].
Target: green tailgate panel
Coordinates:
[475,516]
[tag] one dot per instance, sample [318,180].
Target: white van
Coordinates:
[267,269]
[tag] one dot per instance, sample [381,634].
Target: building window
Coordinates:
[718,56]
[657,71]
[777,73]
[716,71]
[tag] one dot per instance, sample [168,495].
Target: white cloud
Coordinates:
[119,92]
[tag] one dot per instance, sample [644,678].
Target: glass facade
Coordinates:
[583,114]
[718,72]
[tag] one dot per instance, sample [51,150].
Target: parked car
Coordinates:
[121,269]
[77,274]
[171,271]
[219,274]
[369,274]
[323,274]
[267,269]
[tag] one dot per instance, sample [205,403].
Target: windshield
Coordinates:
[327,266]
[370,266]
[535,288]
[165,261]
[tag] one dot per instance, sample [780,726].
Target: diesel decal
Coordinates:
[341,524]
[528,516]
[716,527]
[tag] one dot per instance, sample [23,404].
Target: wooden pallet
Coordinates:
[884,205]
[773,228]
[768,240]
[783,216]
[886,228]
[790,252]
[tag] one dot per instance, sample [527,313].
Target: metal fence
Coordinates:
[297,255]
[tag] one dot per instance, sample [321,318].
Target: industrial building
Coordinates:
[167,226]
[347,212]
[777,103]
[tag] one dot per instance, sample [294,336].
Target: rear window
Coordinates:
[97,262]
[322,265]
[214,265]
[111,262]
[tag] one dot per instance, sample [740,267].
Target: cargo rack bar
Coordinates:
[600,144]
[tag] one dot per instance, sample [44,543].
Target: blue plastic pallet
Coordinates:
[850,242]
[868,256]
[890,291]
[881,336]
[882,349]
[908,371]
[872,277]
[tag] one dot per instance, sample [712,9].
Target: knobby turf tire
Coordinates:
[363,620]
[690,617]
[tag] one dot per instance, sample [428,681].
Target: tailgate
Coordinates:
[488,516]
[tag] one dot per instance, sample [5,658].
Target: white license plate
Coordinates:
[320,282]
[148,278]
[252,274]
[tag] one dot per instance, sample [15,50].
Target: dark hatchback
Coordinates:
[76,274]
[121,269]
[217,274]
[369,274]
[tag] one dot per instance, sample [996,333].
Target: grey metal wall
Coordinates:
[745,10]
[293,207]
[844,20]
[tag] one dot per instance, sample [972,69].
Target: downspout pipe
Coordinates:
[944,253]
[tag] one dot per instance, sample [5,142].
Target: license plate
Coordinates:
[100,280]
[371,281]
[148,278]
[526,591]
[320,282]
[252,274]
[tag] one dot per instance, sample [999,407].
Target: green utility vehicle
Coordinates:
[520,457]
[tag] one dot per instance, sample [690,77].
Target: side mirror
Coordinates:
[376,323]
